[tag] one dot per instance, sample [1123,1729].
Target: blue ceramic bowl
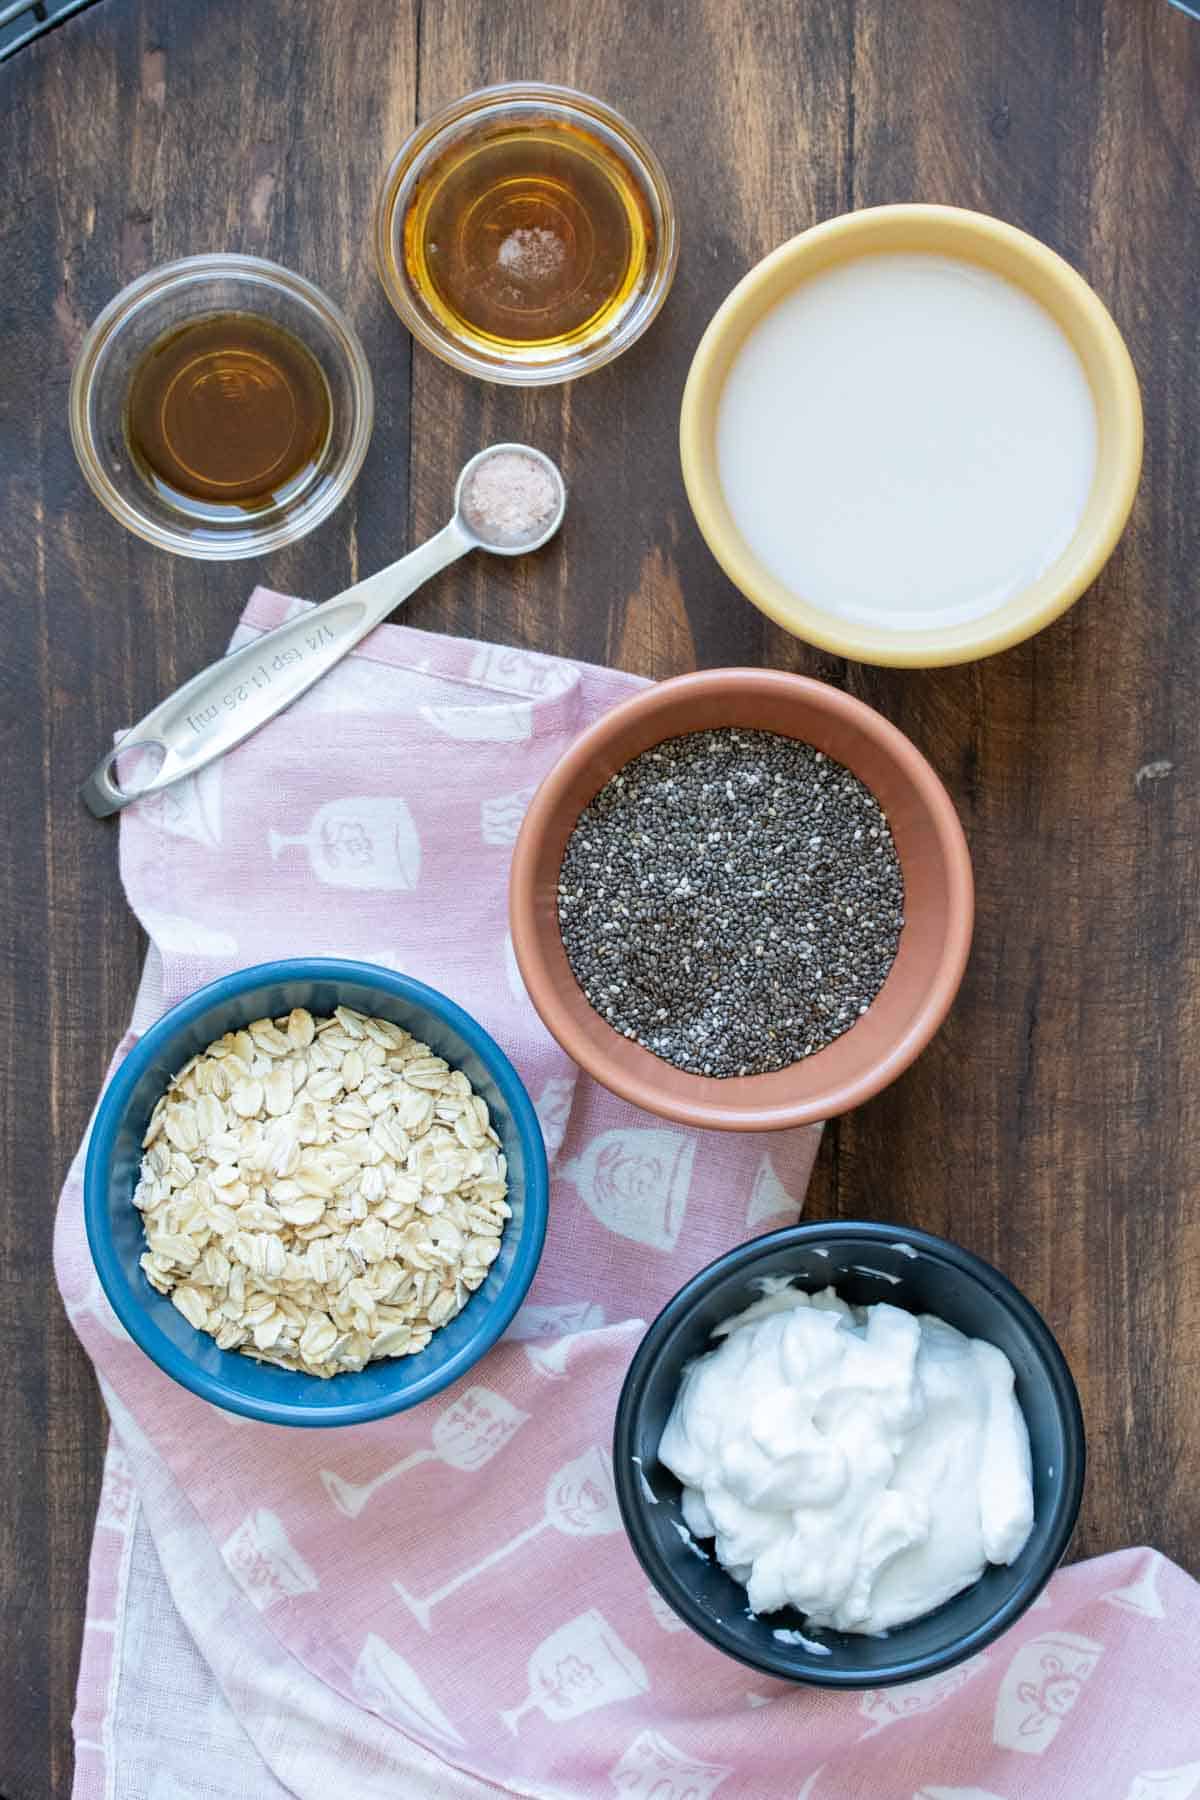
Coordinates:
[114,1225]
[865,1263]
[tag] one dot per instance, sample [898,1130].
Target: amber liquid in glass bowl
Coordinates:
[229,410]
[527,240]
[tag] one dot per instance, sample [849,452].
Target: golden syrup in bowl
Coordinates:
[527,234]
[231,410]
[526,242]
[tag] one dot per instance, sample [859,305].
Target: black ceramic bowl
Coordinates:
[930,1275]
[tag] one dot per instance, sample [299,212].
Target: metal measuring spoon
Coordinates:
[222,705]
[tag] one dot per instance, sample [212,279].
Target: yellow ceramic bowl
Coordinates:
[942,231]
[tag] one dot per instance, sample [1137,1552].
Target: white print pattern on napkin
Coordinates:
[551,1359]
[636,1183]
[562,1325]
[1040,1687]
[388,1685]
[500,818]
[264,1563]
[580,1502]
[1166,1784]
[769,1199]
[653,1769]
[663,1614]
[553,1108]
[96,1305]
[365,841]
[482,724]
[385,959]
[521,672]
[578,1668]
[190,808]
[512,972]
[1141,1596]
[550,1321]
[367,687]
[466,1434]
[956,1793]
[118,1497]
[180,936]
[885,1706]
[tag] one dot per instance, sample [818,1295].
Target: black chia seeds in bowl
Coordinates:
[732,900]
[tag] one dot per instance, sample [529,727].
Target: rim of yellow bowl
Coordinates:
[1048,279]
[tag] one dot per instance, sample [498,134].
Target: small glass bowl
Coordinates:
[158,302]
[530,103]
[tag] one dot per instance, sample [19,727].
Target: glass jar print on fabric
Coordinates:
[521,672]
[653,1769]
[364,842]
[264,1564]
[580,1501]
[885,1706]
[636,1183]
[1041,1686]
[465,1436]
[581,1666]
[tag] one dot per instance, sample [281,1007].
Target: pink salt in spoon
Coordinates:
[510,499]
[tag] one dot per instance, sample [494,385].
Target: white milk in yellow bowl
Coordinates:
[907,440]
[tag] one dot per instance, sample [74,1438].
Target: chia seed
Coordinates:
[748,960]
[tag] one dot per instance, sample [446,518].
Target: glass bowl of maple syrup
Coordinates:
[221,406]
[526,234]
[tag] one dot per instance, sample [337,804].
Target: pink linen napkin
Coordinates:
[445,1603]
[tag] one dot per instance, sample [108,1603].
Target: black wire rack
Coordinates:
[23,20]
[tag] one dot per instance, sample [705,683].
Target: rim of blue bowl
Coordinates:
[138,1321]
[776,1662]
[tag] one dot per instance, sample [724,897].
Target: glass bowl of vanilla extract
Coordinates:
[221,406]
[526,234]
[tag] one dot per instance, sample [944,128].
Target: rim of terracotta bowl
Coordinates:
[625,1068]
[1048,279]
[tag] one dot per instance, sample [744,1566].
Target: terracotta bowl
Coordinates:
[939,903]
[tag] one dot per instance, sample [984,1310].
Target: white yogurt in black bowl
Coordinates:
[867,1264]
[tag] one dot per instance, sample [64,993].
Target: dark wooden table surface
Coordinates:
[1054,1126]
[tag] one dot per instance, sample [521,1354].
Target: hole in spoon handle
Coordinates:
[104,794]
